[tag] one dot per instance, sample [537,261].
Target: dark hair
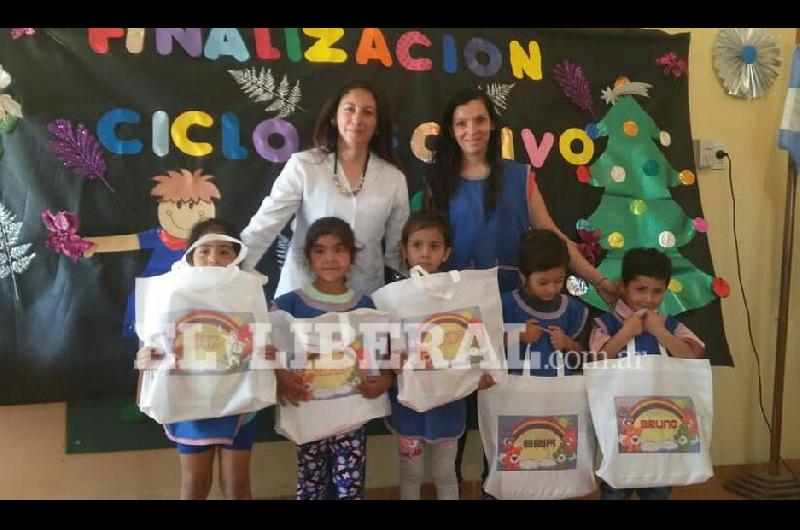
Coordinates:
[541,250]
[443,173]
[421,221]
[648,262]
[326,132]
[331,226]
[212,225]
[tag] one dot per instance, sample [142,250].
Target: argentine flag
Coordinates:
[789,138]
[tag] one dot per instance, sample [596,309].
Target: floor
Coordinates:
[713,489]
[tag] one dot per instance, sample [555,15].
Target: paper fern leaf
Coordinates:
[14,258]
[260,87]
[572,81]
[498,93]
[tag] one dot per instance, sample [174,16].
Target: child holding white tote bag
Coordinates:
[426,243]
[537,435]
[536,431]
[652,410]
[452,333]
[212,373]
[335,466]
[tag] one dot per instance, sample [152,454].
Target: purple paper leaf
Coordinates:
[573,83]
[78,149]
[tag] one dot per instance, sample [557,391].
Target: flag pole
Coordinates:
[773,484]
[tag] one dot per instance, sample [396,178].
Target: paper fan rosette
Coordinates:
[746,60]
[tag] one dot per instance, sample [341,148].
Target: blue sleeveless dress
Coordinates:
[482,243]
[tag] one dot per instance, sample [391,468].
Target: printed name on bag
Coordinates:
[537,443]
[656,424]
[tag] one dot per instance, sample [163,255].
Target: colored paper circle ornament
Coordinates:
[621,80]
[650,168]
[664,138]
[616,240]
[638,207]
[700,224]
[582,224]
[720,287]
[593,131]
[583,174]
[630,128]
[666,239]
[686,177]
[618,174]
[675,286]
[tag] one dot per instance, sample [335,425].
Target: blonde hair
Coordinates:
[185,186]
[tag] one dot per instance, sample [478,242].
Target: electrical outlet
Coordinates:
[705,154]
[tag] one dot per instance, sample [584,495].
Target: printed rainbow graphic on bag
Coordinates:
[537,443]
[657,424]
[212,340]
[337,375]
[444,340]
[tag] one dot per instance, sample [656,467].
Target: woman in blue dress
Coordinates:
[490,203]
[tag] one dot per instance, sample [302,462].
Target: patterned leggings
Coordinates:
[332,468]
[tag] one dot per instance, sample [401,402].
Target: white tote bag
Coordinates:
[207,325]
[335,406]
[653,416]
[452,330]
[537,436]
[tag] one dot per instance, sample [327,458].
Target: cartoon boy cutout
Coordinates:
[184,198]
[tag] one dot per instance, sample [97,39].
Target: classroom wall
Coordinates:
[32,438]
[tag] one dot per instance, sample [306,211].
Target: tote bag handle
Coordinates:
[417,272]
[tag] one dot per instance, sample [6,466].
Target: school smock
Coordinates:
[211,431]
[308,302]
[306,187]
[607,325]
[480,242]
[563,311]
[446,422]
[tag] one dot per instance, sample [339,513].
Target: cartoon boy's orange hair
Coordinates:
[185,186]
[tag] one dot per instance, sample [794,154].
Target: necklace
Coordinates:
[338,183]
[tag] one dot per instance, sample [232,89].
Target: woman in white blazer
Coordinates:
[351,173]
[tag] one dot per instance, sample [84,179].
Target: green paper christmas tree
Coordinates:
[637,209]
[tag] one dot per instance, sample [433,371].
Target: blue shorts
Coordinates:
[242,442]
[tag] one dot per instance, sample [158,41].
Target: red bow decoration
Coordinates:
[672,64]
[590,247]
